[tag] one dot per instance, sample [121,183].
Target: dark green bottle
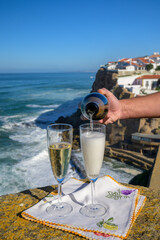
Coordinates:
[95,106]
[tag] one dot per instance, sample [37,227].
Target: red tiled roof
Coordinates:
[124,60]
[136,64]
[155,55]
[144,60]
[149,77]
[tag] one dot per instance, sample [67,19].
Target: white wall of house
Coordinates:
[134,89]
[148,83]
[111,67]
[130,68]
[156,59]
[127,80]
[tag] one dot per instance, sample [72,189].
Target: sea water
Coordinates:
[28,103]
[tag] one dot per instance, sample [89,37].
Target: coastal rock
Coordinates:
[104,79]
[121,93]
[146,129]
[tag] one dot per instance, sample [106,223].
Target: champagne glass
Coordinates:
[92,138]
[59,141]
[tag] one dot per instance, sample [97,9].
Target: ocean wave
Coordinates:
[6,118]
[31,172]
[13,125]
[65,109]
[29,135]
[15,122]
[42,106]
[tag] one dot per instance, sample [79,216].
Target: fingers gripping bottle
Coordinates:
[95,106]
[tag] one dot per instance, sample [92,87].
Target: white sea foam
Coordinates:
[5,118]
[17,122]
[42,106]
[31,172]
[32,166]
[8,126]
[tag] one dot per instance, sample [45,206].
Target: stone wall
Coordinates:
[124,72]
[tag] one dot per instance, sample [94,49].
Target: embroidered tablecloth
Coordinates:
[123,205]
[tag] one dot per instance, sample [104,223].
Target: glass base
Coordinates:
[59,210]
[93,210]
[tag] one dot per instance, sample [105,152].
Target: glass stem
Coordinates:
[92,193]
[59,194]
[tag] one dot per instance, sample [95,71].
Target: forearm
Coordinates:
[141,107]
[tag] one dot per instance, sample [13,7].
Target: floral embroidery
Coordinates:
[102,234]
[127,192]
[119,194]
[50,197]
[108,224]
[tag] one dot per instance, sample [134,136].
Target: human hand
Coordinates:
[114,107]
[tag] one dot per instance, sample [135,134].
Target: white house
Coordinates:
[111,65]
[139,84]
[155,57]
[149,82]
[134,89]
[139,63]
[123,63]
[133,64]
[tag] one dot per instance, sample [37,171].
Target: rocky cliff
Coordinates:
[104,79]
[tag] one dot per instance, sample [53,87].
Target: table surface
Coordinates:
[13,226]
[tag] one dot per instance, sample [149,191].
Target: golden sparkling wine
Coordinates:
[60,154]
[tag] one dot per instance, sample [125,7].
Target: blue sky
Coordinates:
[73,35]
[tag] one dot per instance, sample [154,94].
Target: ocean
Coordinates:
[28,103]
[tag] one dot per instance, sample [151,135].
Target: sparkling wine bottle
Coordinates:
[94,106]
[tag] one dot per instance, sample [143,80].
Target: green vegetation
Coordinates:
[158,85]
[149,67]
[157,68]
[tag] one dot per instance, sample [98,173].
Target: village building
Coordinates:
[141,84]
[156,58]
[134,64]
[111,65]
[149,82]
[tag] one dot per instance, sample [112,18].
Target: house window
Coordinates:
[154,85]
[147,84]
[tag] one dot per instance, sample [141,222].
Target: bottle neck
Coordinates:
[92,108]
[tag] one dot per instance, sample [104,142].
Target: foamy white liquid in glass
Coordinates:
[92,145]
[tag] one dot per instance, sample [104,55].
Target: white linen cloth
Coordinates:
[123,205]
